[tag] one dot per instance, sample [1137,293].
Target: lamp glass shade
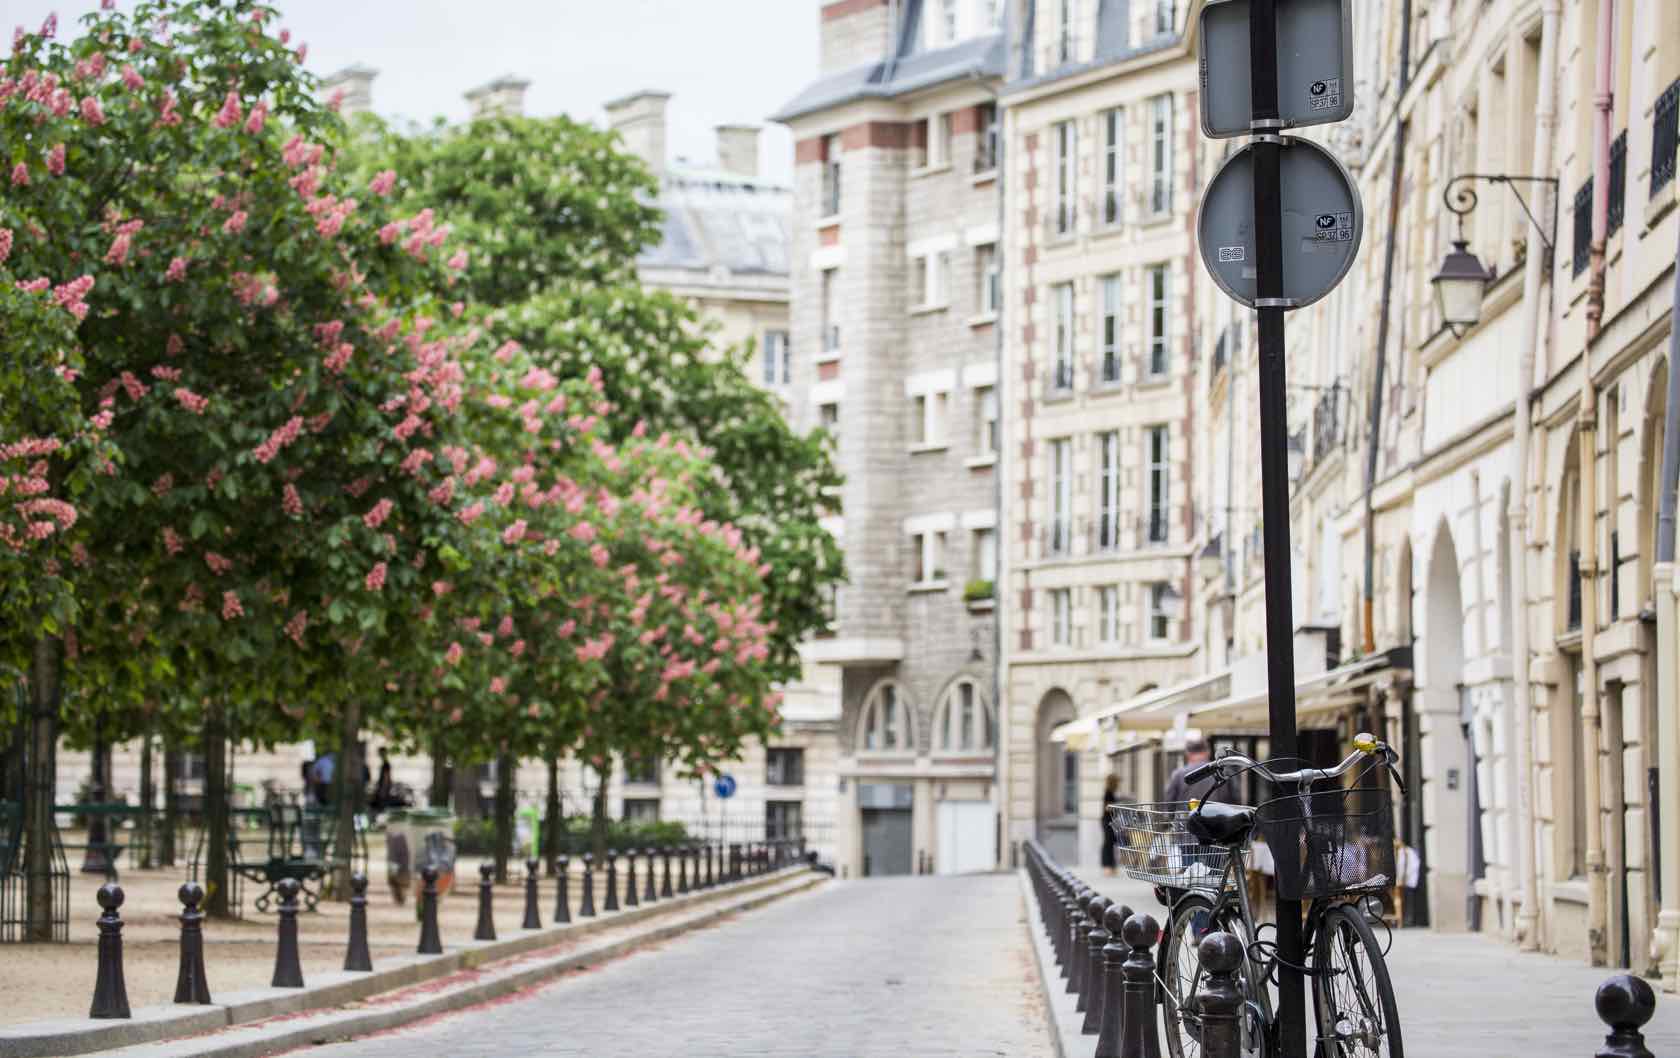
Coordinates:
[1172,603]
[1459,286]
[1211,562]
[1296,456]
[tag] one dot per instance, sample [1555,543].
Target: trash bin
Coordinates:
[413,838]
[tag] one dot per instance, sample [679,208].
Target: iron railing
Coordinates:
[1058,380]
[1618,183]
[1665,137]
[1574,622]
[1105,531]
[1108,368]
[1058,538]
[1327,423]
[1583,228]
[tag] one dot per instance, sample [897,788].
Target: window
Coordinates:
[1061,378]
[828,417]
[927,427]
[1061,616]
[1108,613]
[927,558]
[1064,41]
[830,204]
[1110,330]
[885,727]
[1112,121]
[1108,492]
[1163,16]
[1061,495]
[1067,141]
[784,767]
[948,21]
[983,548]
[777,361]
[783,820]
[990,272]
[986,144]
[641,770]
[1157,279]
[1156,443]
[830,311]
[965,723]
[927,277]
[987,426]
[993,10]
[641,809]
[1070,783]
[1160,154]
[1159,619]
[932,141]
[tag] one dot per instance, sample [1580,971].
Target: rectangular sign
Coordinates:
[1315,64]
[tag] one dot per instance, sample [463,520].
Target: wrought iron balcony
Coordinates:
[1327,424]
[1665,137]
[1583,228]
[1058,381]
[1618,183]
[1056,539]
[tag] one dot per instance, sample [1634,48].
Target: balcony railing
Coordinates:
[1058,381]
[1574,622]
[986,151]
[1665,137]
[1061,222]
[1327,423]
[1153,527]
[1108,368]
[1112,202]
[1105,531]
[1057,539]
[1618,183]
[1583,228]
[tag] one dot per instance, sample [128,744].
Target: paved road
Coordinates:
[889,968]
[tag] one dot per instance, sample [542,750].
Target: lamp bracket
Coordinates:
[1461,201]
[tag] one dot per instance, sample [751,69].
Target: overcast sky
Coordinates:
[723,61]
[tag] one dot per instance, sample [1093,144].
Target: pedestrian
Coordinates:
[1111,831]
[382,788]
[1195,754]
[324,766]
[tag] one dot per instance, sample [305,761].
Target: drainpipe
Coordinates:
[1535,266]
[1395,174]
[1665,942]
[1597,917]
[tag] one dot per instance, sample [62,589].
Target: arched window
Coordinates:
[885,725]
[965,720]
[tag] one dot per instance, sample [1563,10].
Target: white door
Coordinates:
[966,841]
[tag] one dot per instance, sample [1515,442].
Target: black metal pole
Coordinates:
[1267,149]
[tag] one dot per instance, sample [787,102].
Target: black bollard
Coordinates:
[431,943]
[1624,1003]
[562,899]
[587,908]
[612,882]
[1073,941]
[1095,938]
[1114,982]
[486,928]
[665,889]
[190,983]
[1221,996]
[631,897]
[683,853]
[356,956]
[533,920]
[1139,1038]
[734,862]
[288,968]
[110,993]
[651,894]
[707,884]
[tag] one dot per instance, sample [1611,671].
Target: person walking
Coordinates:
[382,788]
[1195,754]
[1111,833]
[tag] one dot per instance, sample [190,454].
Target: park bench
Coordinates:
[295,842]
[101,855]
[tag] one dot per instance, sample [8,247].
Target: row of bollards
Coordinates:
[1106,953]
[110,994]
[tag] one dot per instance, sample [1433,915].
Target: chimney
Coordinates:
[738,149]
[356,84]
[640,119]
[505,96]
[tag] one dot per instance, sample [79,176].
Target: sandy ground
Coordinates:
[56,980]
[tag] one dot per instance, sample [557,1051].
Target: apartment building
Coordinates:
[897,294]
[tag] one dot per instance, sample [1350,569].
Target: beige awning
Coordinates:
[1323,692]
[1151,710]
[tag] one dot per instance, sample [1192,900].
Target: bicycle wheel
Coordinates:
[1352,995]
[1179,969]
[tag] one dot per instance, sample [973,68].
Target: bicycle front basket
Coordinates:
[1330,842]
[1154,846]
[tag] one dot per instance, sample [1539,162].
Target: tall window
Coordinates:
[643,770]
[778,365]
[1061,616]
[986,145]
[885,727]
[1061,378]
[1110,329]
[830,311]
[1108,613]
[1157,279]
[828,417]
[1067,144]
[927,413]
[934,147]
[948,20]
[927,276]
[986,439]
[1159,618]
[1108,492]
[964,724]
[984,549]
[1112,121]
[783,820]
[1061,495]
[1064,42]
[784,766]
[1160,154]
[927,558]
[993,10]
[1163,16]
[1155,440]
[831,175]
[641,809]
[990,272]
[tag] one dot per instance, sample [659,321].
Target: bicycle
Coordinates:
[1333,848]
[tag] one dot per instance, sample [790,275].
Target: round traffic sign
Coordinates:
[1323,223]
[724,787]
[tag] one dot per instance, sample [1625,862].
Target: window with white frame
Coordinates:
[927,415]
[830,204]
[986,426]
[1061,496]
[1160,621]
[1108,491]
[828,417]
[1113,123]
[928,273]
[1160,154]
[950,30]
[1108,613]
[983,548]
[884,726]
[1109,331]
[778,367]
[992,11]
[641,809]
[784,766]
[783,820]
[1061,616]
[986,144]
[964,723]
[1066,135]
[641,769]
[1156,452]
[1164,16]
[989,270]
[1061,368]
[1064,40]
[830,311]
[927,558]
[932,141]
[1156,277]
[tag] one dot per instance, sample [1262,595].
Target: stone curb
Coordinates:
[1065,1022]
[150,1025]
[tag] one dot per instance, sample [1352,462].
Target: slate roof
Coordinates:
[715,218]
[977,57]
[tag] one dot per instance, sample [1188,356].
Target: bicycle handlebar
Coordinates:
[1364,745]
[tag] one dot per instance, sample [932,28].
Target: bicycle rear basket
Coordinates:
[1330,842]
[1153,846]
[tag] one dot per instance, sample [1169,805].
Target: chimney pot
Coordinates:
[738,149]
[505,96]
[640,120]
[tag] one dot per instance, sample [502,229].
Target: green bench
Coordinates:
[113,815]
[269,845]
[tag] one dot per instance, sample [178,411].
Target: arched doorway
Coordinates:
[1453,828]
[1058,781]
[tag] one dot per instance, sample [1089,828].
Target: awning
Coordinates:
[1152,709]
[1325,691]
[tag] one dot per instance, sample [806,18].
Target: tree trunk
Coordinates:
[215,880]
[171,800]
[148,800]
[505,764]
[348,792]
[41,764]
[464,791]
[552,822]
[438,796]
[598,819]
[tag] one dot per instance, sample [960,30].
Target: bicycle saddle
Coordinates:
[1220,824]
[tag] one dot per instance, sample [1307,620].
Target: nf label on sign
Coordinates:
[1314,64]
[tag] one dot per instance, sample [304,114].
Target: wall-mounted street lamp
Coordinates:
[1172,603]
[1210,561]
[1462,280]
[1296,453]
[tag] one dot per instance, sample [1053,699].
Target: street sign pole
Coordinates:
[1274,473]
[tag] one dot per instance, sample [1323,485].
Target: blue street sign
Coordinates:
[725,786]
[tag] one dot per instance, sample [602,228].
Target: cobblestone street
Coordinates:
[890,968]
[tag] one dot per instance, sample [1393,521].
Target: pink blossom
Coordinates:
[375,517]
[55,160]
[231,607]
[290,501]
[278,440]
[131,78]
[600,556]
[457,260]
[296,626]
[235,223]
[92,112]
[118,253]
[49,28]
[5,244]
[172,541]
[217,563]
[518,648]
[230,114]
[453,654]
[20,175]
[191,401]
[440,588]
[470,513]
[376,577]
[167,115]
[259,115]
[567,627]
[498,685]
[383,182]
[176,271]
[514,533]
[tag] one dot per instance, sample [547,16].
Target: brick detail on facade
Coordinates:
[842,8]
[887,135]
[965,122]
[808,150]
[829,236]
[828,371]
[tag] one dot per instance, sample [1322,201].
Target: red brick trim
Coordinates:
[842,8]
[829,236]
[828,371]
[890,135]
[965,121]
[808,150]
